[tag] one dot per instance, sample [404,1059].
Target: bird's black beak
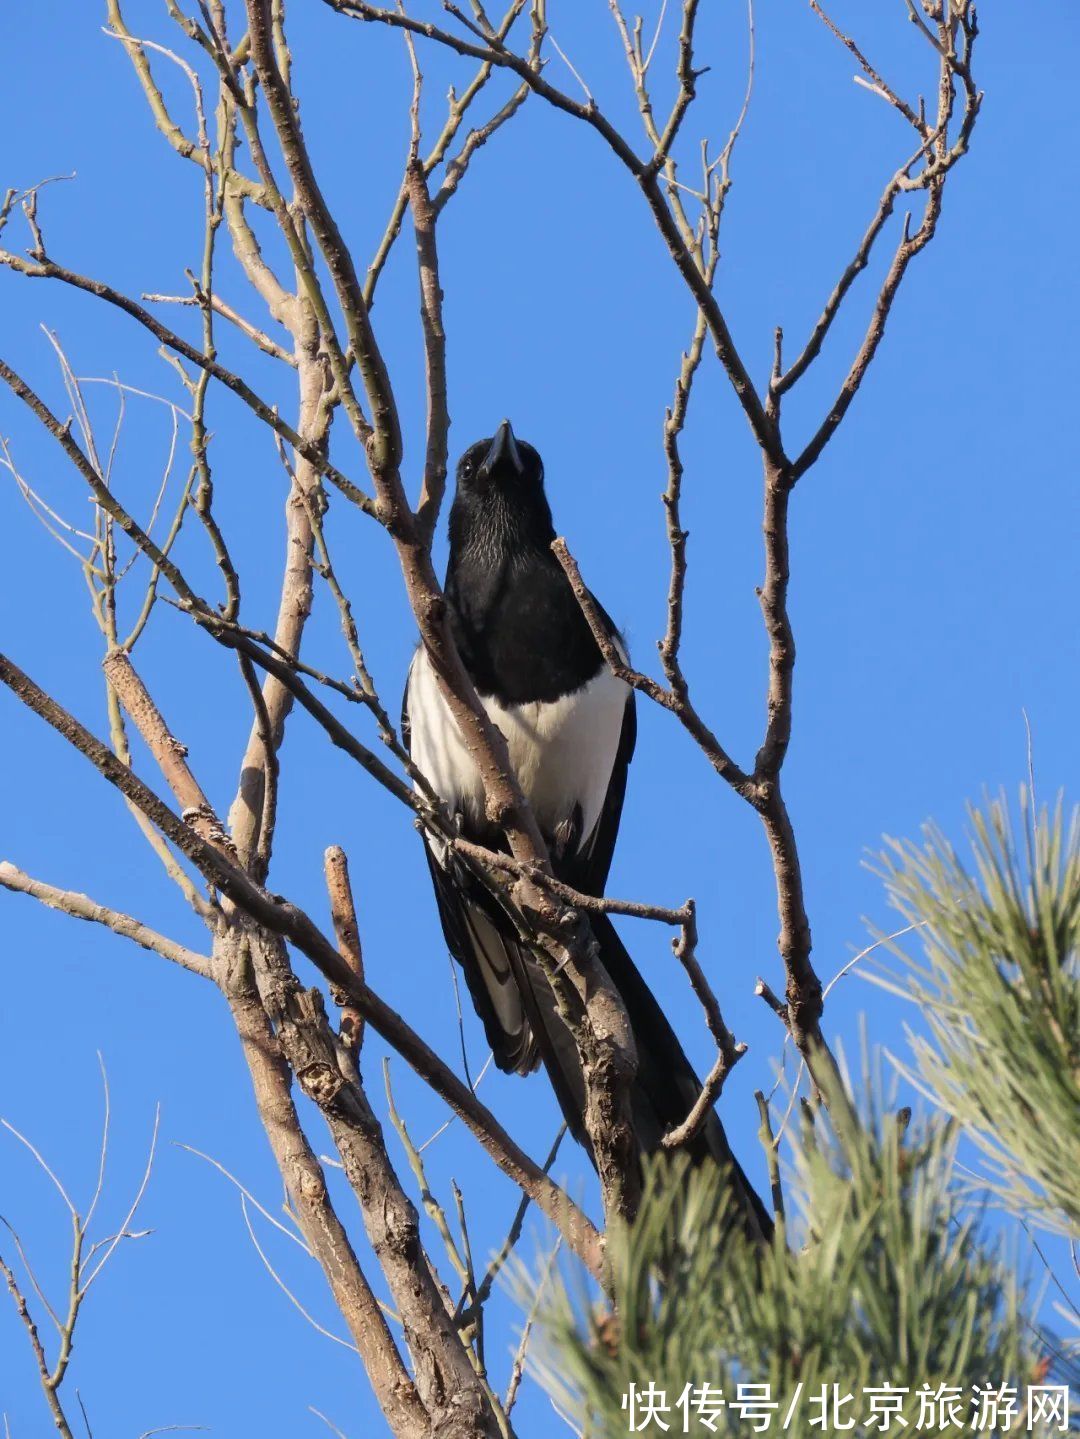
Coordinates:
[504,450]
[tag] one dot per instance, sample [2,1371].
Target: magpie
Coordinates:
[570,728]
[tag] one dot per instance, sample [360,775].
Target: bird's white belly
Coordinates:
[562,752]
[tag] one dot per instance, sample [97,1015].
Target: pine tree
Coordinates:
[890,1300]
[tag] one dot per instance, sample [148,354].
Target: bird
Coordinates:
[570,726]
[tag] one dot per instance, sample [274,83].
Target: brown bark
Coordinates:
[326,1236]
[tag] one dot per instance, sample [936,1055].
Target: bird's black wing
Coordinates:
[481,937]
[483,940]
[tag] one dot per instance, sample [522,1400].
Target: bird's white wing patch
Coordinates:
[562,752]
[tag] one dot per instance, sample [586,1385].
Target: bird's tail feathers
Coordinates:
[665,1086]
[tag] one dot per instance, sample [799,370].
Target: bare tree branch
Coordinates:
[322,1229]
[285,919]
[347,932]
[80,906]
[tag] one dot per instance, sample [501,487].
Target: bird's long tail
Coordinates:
[665,1086]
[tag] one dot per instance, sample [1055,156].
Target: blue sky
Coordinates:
[933,597]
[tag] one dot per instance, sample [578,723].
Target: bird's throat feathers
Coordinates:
[493,527]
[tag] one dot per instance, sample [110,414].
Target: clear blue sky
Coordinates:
[933,555]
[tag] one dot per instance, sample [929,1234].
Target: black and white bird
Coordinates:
[570,728]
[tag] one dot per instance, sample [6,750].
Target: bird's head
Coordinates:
[501,462]
[500,494]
